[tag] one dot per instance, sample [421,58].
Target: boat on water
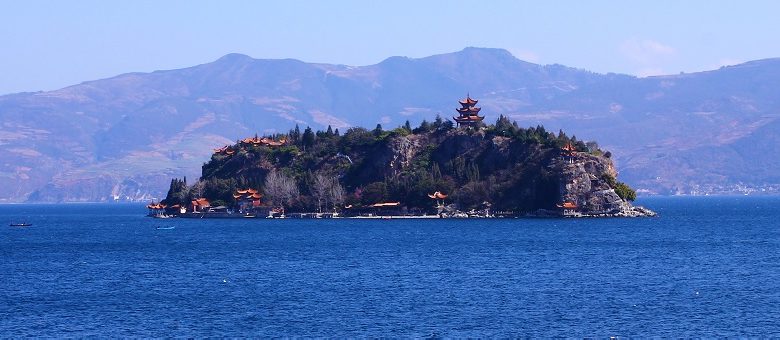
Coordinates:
[164,228]
[23,224]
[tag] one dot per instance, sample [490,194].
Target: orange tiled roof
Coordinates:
[468,101]
[568,205]
[155,206]
[468,118]
[437,195]
[469,109]
[263,141]
[201,202]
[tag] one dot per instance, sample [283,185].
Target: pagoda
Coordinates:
[469,113]
[569,153]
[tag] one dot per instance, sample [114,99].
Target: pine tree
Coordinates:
[308,138]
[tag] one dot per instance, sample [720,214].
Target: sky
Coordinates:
[48,45]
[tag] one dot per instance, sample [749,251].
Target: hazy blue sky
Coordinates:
[52,44]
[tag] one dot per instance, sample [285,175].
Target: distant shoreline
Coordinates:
[639,198]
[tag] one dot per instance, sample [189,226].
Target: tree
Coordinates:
[621,189]
[504,126]
[374,193]
[295,135]
[592,146]
[624,191]
[308,138]
[280,189]
[337,193]
[196,191]
[320,189]
[408,126]
[424,127]
[438,123]
[378,131]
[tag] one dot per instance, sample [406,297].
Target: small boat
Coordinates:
[165,228]
[24,224]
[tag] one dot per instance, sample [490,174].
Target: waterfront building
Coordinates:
[568,209]
[247,199]
[200,205]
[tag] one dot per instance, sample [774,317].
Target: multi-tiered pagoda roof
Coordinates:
[468,112]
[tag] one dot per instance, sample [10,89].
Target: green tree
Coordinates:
[308,138]
[374,192]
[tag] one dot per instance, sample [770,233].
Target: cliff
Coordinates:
[590,181]
[501,168]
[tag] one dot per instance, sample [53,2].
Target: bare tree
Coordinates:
[280,189]
[196,190]
[327,191]
[320,189]
[336,193]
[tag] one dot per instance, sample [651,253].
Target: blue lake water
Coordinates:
[705,267]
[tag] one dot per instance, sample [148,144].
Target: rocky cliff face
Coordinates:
[583,180]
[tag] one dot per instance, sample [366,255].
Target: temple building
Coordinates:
[265,141]
[569,153]
[247,199]
[200,205]
[468,113]
[568,209]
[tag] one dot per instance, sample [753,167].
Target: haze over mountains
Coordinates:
[126,136]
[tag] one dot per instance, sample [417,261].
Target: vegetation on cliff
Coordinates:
[509,168]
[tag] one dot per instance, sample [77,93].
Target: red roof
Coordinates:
[468,101]
[156,206]
[469,109]
[201,202]
[437,195]
[568,205]
[474,118]
[263,141]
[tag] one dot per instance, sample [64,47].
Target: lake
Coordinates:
[704,267]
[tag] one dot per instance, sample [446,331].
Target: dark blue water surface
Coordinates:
[705,267]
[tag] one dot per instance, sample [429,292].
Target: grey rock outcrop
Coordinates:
[584,181]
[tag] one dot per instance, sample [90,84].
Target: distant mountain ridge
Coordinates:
[126,136]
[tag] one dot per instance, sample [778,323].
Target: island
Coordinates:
[438,169]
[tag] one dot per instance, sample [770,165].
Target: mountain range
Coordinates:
[125,137]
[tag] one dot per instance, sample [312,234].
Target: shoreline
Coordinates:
[632,212]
